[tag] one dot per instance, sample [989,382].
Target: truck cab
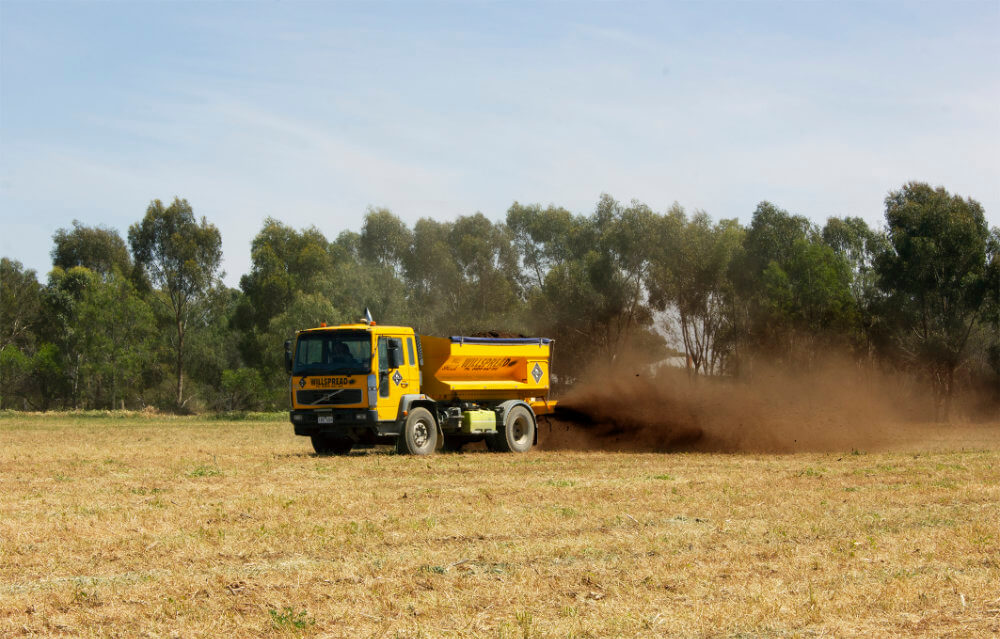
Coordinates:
[346,383]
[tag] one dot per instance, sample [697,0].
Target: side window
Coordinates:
[383,367]
[383,354]
[396,344]
[409,348]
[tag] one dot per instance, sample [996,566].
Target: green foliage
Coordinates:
[204,471]
[214,346]
[288,619]
[117,344]
[860,246]
[365,282]
[15,370]
[97,248]
[283,261]
[64,332]
[20,304]
[991,314]
[543,238]
[242,390]
[385,240]
[299,279]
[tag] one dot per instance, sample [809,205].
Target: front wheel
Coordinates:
[326,445]
[518,433]
[420,434]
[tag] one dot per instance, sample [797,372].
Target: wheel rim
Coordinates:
[421,434]
[519,430]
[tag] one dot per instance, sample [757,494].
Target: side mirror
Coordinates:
[395,356]
[288,356]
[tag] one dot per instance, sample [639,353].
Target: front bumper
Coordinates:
[344,422]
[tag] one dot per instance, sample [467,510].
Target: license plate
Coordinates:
[325,419]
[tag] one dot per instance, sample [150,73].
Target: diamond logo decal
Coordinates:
[302,383]
[397,377]
[536,372]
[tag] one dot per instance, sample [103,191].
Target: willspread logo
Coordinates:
[397,377]
[536,372]
[328,382]
[302,383]
[479,363]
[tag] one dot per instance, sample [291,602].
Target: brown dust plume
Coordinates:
[835,406]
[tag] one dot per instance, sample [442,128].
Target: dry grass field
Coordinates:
[133,526]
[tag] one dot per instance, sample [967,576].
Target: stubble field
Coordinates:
[147,526]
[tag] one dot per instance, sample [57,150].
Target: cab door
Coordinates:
[395,375]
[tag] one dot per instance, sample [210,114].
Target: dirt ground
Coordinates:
[131,526]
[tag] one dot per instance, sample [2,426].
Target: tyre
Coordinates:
[327,445]
[420,434]
[517,434]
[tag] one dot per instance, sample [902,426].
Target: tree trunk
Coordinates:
[76,384]
[949,385]
[180,364]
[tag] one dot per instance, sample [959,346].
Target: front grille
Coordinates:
[329,397]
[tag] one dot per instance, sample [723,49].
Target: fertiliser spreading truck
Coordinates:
[365,384]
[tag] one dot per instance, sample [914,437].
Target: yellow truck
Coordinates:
[364,384]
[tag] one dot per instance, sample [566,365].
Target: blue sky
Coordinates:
[311,112]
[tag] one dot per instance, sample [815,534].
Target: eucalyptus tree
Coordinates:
[20,303]
[586,279]
[690,280]
[181,258]
[463,276]
[283,262]
[543,238]
[117,338]
[20,308]
[794,290]
[936,274]
[61,379]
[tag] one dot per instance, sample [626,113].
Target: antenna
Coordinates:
[367,319]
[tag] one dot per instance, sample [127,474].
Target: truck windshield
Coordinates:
[330,352]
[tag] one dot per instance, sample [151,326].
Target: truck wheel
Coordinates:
[518,432]
[420,434]
[326,445]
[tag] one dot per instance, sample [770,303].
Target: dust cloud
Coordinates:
[835,406]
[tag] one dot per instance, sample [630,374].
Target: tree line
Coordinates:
[146,320]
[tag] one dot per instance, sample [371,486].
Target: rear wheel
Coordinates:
[327,445]
[420,434]
[517,434]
